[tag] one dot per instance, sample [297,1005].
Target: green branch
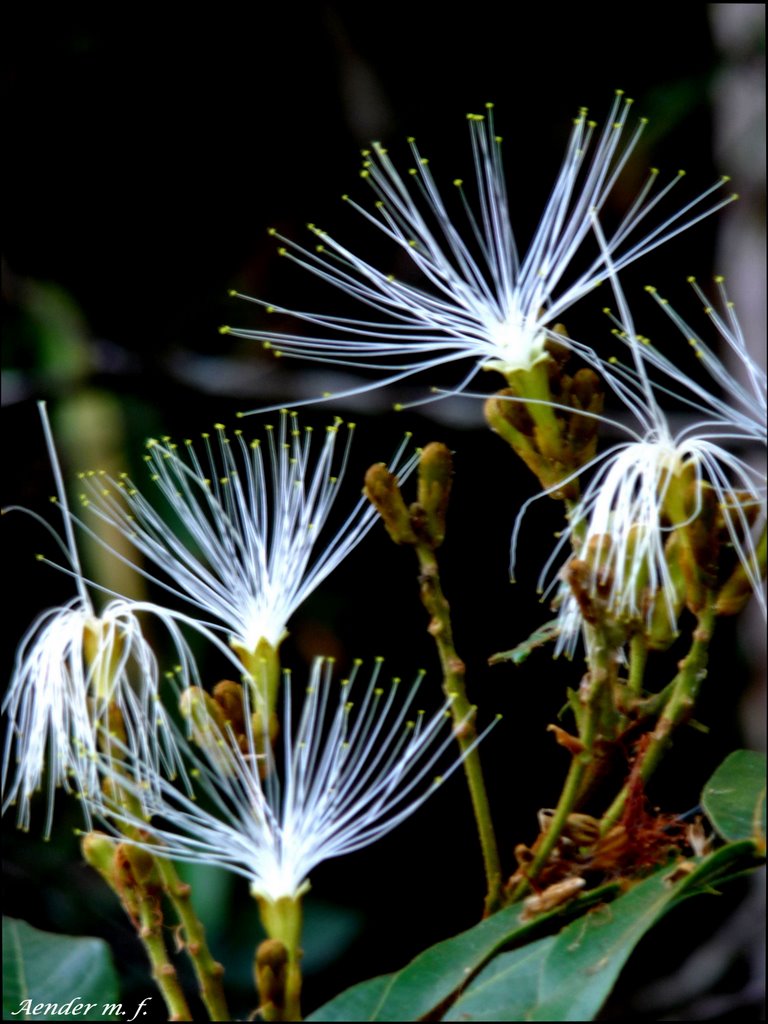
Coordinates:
[463,714]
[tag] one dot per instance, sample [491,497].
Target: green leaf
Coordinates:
[433,976]
[568,977]
[427,980]
[358,1003]
[57,971]
[561,977]
[543,635]
[507,988]
[734,797]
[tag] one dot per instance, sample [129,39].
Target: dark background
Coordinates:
[147,158]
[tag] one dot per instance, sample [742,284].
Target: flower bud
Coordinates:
[509,418]
[142,864]
[382,491]
[202,711]
[435,472]
[209,727]
[585,394]
[98,850]
[668,601]
[270,969]
[738,588]
[103,652]
[229,696]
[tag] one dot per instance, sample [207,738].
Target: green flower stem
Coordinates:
[533,384]
[262,665]
[140,904]
[578,525]
[131,876]
[682,694]
[463,714]
[281,996]
[209,972]
[651,707]
[638,656]
[594,718]
[565,805]
[151,934]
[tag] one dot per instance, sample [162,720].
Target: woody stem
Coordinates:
[682,694]
[594,694]
[463,713]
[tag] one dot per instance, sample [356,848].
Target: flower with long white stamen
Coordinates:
[744,401]
[81,676]
[353,766]
[634,501]
[480,300]
[248,524]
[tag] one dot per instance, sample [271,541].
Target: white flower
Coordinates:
[247,527]
[351,769]
[623,519]
[79,675]
[743,404]
[480,301]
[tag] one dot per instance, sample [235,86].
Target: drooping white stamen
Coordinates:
[77,668]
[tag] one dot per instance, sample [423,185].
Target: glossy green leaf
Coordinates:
[361,1002]
[434,975]
[427,980]
[568,977]
[507,988]
[54,977]
[734,797]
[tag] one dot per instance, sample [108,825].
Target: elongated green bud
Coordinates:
[435,477]
[690,504]
[202,711]
[585,394]
[559,352]
[109,859]
[270,969]
[382,491]
[510,420]
[663,629]
[98,850]
[229,696]
[142,863]
[103,650]
[737,589]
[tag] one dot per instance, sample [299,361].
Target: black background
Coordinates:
[148,155]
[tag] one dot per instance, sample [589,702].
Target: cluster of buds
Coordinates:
[423,521]
[550,419]
[219,718]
